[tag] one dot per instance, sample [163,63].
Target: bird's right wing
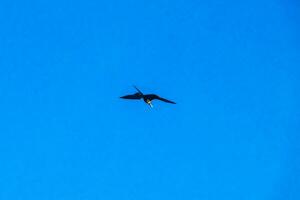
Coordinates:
[132,96]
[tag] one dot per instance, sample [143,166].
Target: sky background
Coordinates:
[231,66]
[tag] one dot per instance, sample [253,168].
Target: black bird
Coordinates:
[147,97]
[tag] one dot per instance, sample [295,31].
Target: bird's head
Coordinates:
[148,101]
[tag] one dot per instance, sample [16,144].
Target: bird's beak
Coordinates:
[150,104]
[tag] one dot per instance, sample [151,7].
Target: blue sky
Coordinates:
[231,66]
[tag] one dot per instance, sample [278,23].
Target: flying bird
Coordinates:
[146,97]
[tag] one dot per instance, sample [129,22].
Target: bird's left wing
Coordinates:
[166,100]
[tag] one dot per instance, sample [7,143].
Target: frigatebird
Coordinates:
[146,97]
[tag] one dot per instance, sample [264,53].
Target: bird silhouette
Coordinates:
[146,97]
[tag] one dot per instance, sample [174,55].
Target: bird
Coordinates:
[146,97]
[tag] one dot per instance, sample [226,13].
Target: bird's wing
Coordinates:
[132,96]
[166,100]
[151,96]
[154,96]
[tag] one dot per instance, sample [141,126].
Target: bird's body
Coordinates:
[147,97]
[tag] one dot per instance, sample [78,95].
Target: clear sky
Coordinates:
[231,66]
